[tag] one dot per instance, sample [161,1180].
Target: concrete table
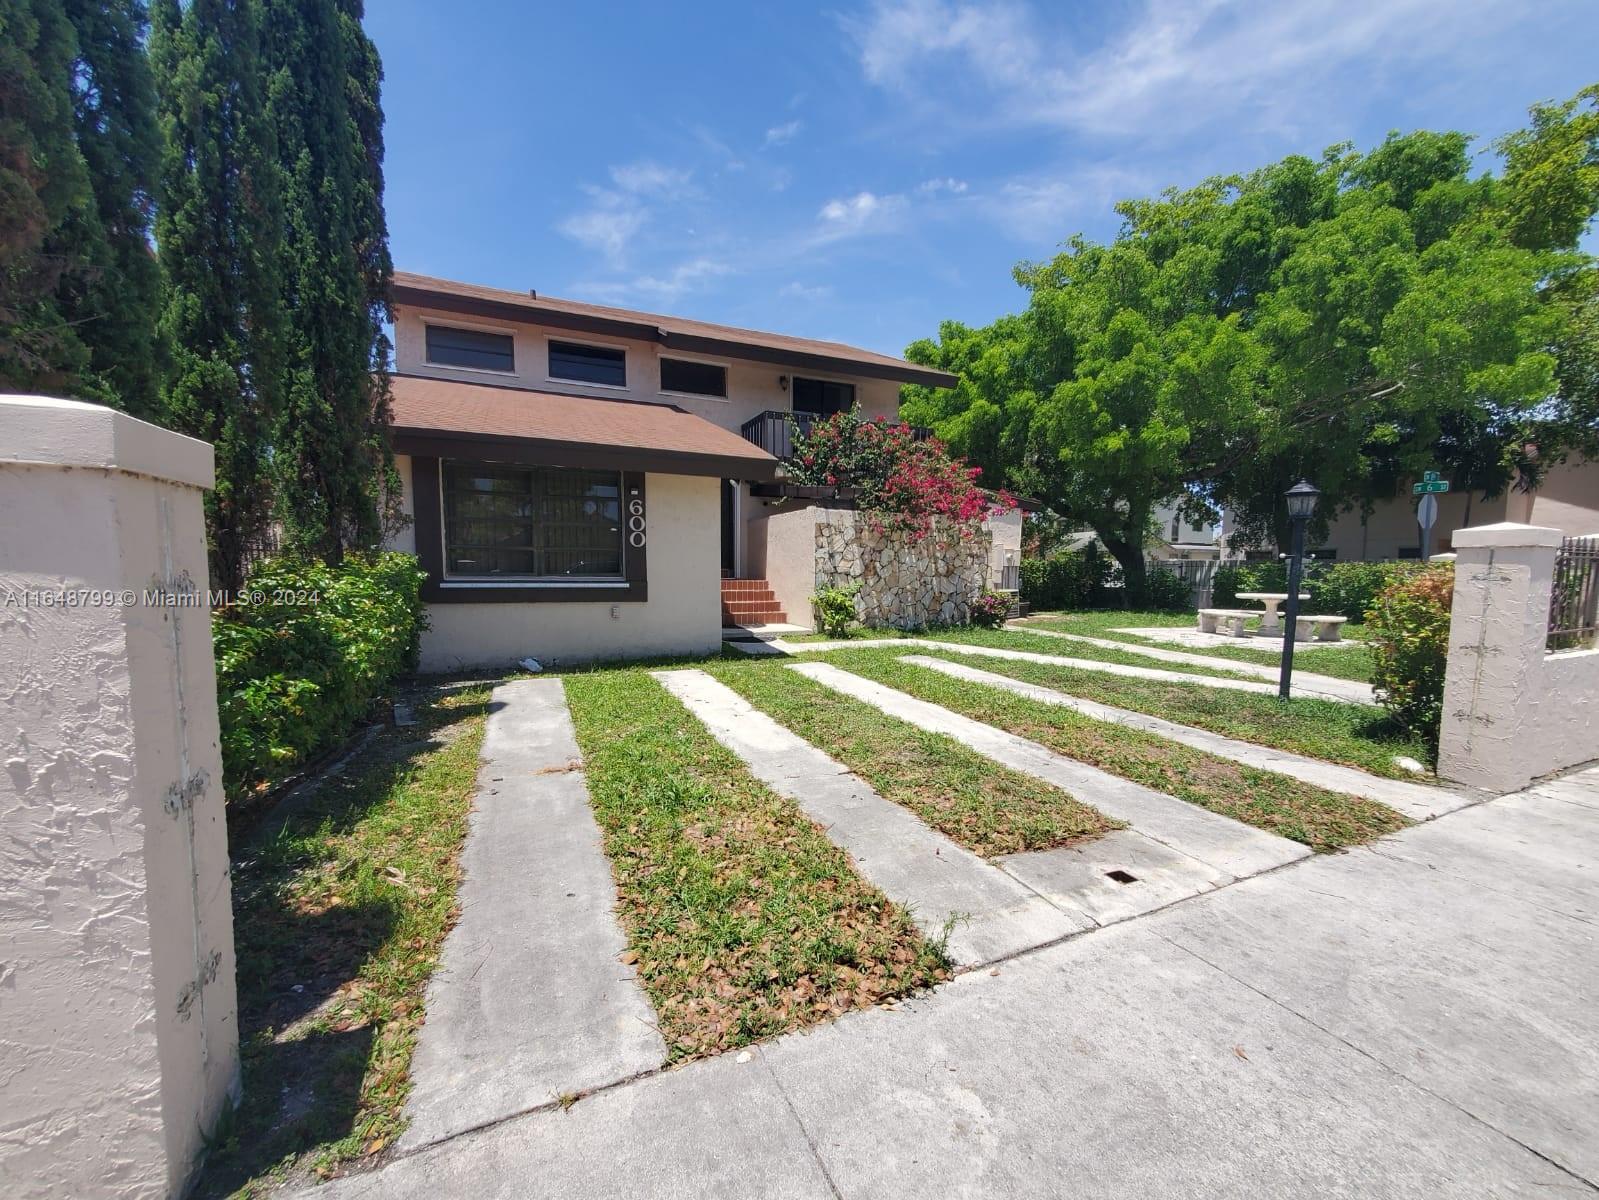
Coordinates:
[1269,623]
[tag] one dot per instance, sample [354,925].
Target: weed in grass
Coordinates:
[1319,818]
[988,808]
[745,920]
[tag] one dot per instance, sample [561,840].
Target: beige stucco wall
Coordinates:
[1005,541]
[682,615]
[1568,498]
[119,1038]
[781,541]
[752,387]
[1511,710]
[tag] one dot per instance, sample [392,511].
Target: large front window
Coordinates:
[507,521]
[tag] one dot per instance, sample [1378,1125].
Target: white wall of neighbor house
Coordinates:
[1005,534]
[1512,711]
[752,387]
[683,614]
[117,1007]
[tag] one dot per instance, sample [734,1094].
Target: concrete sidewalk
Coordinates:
[1411,1019]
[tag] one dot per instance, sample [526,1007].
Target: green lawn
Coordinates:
[1321,819]
[743,920]
[988,808]
[1351,661]
[1356,735]
[341,904]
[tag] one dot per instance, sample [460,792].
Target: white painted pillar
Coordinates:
[118,1019]
[1492,735]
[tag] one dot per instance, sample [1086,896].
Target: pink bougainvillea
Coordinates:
[902,483]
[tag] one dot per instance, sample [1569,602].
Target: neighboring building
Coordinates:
[580,476]
[1179,538]
[1567,499]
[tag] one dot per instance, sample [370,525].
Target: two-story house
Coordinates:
[579,476]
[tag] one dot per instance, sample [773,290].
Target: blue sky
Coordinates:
[861,171]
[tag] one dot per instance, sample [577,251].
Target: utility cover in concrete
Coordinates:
[530,1001]
[1239,850]
[1120,875]
[1415,800]
[915,866]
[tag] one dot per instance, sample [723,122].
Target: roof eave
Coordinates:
[451,443]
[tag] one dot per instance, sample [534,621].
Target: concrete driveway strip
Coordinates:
[1305,682]
[994,916]
[1415,800]
[530,1001]
[1230,846]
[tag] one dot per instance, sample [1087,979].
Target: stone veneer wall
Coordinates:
[904,583]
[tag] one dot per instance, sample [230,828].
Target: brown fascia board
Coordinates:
[436,443]
[476,306]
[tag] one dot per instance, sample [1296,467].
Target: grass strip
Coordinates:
[1344,661]
[988,808]
[340,905]
[743,919]
[1355,735]
[1319,818]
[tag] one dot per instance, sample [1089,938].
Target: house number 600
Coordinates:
[635,523]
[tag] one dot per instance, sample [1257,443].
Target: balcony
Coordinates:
[773,431]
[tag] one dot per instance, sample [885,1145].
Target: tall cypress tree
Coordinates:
[219,226]
[332,452]
[45,200]
[113,299]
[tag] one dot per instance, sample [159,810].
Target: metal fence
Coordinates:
[1574,601]
[1198,573]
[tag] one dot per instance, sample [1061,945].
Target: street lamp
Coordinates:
[1301,506]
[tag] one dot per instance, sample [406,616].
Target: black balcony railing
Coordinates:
[773,431]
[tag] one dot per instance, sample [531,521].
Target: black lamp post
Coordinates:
[1301,505]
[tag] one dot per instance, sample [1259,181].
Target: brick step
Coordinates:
[743,587]
[742,611]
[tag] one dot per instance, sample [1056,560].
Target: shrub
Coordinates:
[1408,631]
[903,483]
[1166,589]
[835,608]
[297,670]
[1066,579]
[989,609]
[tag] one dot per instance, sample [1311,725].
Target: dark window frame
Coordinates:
[429,328]
[601,351]
[696,364]
[547,491]
[824,385]
[632,588]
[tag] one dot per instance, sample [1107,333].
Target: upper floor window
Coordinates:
[588,364]
[695,378]
[822,396]
[451,347]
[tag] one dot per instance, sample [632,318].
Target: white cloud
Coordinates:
[795,290]
[778,134]
[664,288]
[650,179]
[864,212]
[1178,65]
[607,225]
[955,187]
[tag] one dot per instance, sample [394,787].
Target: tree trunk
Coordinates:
[1135,579]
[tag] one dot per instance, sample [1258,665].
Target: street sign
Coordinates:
[1428,486]
[1427,511]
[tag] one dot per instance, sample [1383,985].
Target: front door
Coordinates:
[729,542]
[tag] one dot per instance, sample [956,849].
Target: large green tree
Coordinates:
[1351,319]
[220,231]
[334,468]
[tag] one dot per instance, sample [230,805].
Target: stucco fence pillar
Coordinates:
[1512,711]
[118,1019]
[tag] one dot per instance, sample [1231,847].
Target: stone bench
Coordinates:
[1232,618]
[1326,629]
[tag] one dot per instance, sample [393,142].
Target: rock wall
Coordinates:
[904,583]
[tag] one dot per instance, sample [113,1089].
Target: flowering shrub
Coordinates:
[1408,630]
[989,609]
[835,609]
[901,483]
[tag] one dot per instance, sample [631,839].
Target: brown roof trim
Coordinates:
[434,443]
[696,336]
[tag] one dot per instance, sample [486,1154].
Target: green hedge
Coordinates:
[1346,589]
[303,662]
[1408,631]
[1069,579]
